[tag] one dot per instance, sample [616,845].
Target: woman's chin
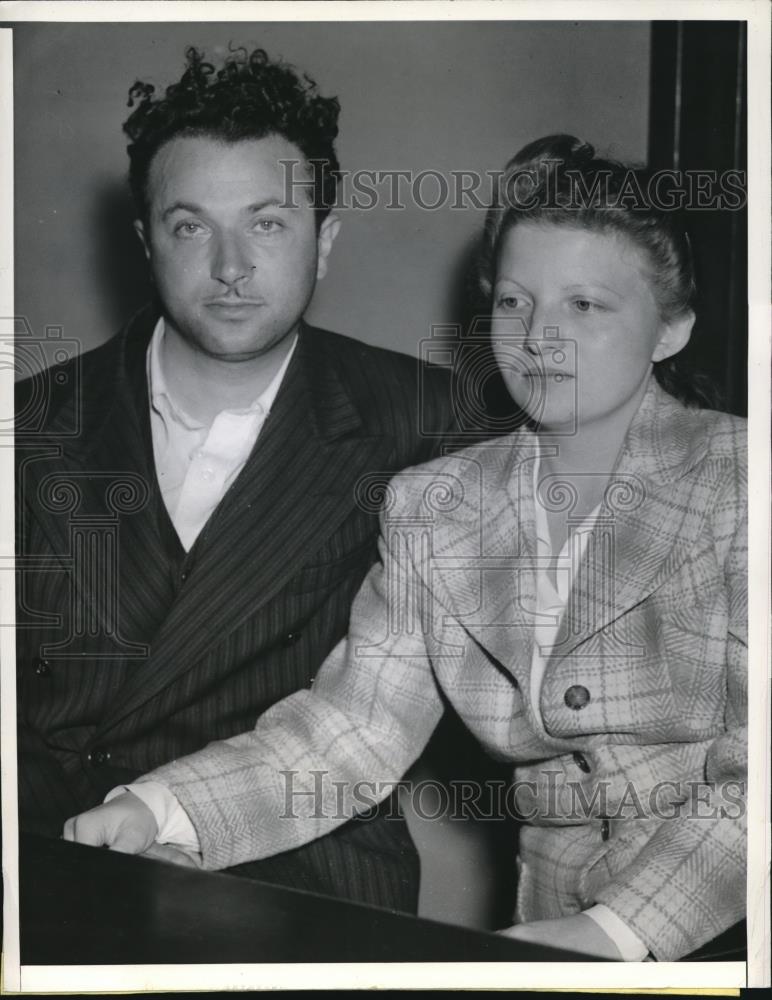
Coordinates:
[554,420]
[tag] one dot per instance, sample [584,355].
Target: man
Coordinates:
[189,552]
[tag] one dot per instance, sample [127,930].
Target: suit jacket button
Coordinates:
[576,697]
[604,830]
[98,756]
[42,668]
[291,638]
[581,762]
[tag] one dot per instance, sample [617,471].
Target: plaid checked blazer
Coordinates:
[195,646]
[633,797]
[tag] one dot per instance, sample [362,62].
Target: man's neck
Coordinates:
[204,386]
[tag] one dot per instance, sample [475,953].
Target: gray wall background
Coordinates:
[414,96]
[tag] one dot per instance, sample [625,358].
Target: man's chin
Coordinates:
[235,349]
[238,357]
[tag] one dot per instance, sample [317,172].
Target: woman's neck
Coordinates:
[578,473]
[580,454]
[592,448]
[585,460]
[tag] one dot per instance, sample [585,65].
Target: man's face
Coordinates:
[234,270]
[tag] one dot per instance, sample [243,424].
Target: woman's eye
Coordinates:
[510,302]
[585,306]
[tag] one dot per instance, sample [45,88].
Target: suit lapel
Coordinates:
[294,491]
[106,474]
[125,447]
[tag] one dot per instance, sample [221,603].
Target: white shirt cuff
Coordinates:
[174,825]
[631,948]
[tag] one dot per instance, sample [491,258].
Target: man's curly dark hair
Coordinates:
[250,97]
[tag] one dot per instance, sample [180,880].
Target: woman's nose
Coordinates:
[539,328]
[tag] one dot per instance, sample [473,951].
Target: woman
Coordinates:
[576,591]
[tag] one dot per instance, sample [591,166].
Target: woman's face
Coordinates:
[575,325]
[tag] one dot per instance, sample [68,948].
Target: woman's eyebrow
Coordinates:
[592,284]
[508,281]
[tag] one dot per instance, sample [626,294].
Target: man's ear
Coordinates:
[324,240]
[674,337]
[139,229]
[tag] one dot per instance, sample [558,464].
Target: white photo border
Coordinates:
[721,977]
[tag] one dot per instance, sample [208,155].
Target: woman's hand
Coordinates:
[127,825]
[576,933]
[124,824]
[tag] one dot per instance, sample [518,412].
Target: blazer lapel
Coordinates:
[294,491]
[647,522]
[491,571]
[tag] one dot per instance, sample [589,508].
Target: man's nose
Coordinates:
[231,261]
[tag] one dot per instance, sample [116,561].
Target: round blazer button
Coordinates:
[604,830]
[577,697]
[42,668]
[291,638]
[99,756]
[582,763]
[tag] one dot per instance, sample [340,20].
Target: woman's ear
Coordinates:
[674,337]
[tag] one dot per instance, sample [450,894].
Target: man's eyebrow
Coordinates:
[257,206]
[181,206]
[189,206]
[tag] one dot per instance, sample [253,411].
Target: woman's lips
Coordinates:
[545,373]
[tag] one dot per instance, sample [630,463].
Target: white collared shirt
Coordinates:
[195,464]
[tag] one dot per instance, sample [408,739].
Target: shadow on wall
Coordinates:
[122,271]
[483,406]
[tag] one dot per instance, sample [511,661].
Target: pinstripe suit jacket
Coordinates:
[131,653]
[624,770]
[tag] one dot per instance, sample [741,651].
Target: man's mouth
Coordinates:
[233,306]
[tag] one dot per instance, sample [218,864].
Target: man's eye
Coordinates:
[189,229]
[267,225]
[510,302]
